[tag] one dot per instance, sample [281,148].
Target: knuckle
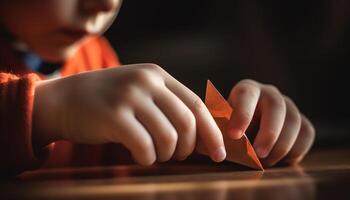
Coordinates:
[289,100]
[307,125]
[272,88]
[166,145]
[293,117]
[147,77]
[247,89]
[143,152]
[154,68]
[199,105]
[187,134]
[130,95]
[170,137]
[145,145]
[143,76]
[275,99]
[129,90]
[311,128]
[312,132]
[308,132]
[188,122]
[290,103]
[249,82]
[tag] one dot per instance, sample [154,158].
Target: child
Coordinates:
[45,99]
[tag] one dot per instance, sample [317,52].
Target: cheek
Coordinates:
[34,17]
[100,23]
[65,12]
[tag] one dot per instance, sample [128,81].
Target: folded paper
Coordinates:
[238,151]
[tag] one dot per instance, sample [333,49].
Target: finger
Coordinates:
[288,136]
[273,112]
[244,99]
[207,129]
[134,136]
[303,142]
[162,131]
[182,119]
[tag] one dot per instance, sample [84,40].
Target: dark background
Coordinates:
[300,46]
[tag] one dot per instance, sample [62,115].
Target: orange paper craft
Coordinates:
[238,151]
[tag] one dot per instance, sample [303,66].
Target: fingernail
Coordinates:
[235,133]
[219,154]
[261,152]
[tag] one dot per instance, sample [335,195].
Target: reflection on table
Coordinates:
[323,175]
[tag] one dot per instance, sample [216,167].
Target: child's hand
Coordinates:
[283,131]
[140,106]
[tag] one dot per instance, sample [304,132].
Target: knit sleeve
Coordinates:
[16,105]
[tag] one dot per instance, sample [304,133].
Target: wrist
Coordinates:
[46,113]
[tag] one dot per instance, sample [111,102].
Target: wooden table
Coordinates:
[324,174]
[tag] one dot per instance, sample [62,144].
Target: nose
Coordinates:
[96,6]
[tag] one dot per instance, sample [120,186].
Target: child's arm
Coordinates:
[283,131]
[140,106]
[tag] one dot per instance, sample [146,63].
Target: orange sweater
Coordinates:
[16,104]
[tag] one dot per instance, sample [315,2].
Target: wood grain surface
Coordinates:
[324,174]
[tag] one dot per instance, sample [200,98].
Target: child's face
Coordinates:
[53,28]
